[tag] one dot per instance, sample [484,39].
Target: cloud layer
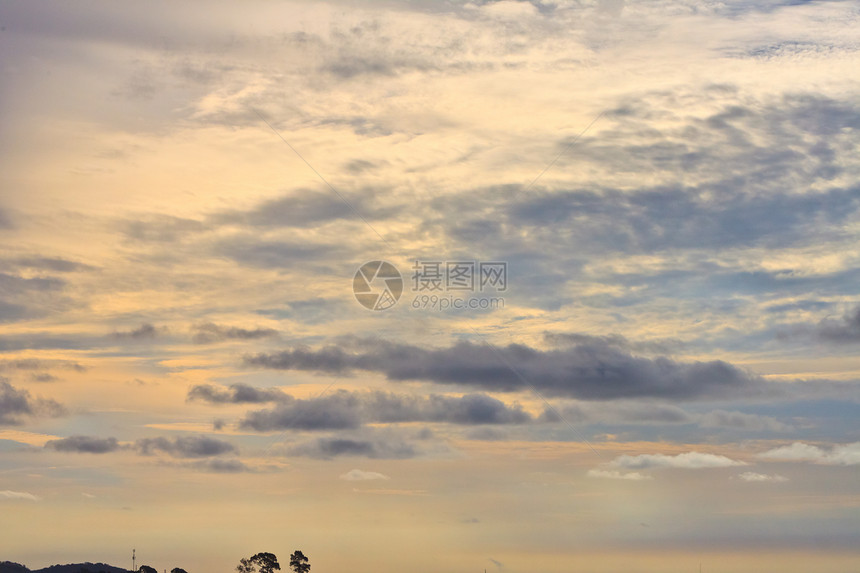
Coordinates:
[596,371]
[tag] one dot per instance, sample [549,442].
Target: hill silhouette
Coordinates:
[10,567]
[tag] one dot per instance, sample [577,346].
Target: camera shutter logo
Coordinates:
[377,285]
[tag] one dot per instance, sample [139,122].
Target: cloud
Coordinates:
[15,404]
[845,330]
[220,466]
[8,494]
[337,411]
[145,331]
[621,412]
[161,228]
[307,208]
[615,474]
[25,298]
[343,410]
[185,447]
[210,332]
[236,394]
[252,251]
[688,460]
[741,421]
[486,434]
[40,364]
[665,346]
[361,475]
[594,371]
[756,477]
[84,444]
[837,455]
[55,264]
[328,448]
[5,220]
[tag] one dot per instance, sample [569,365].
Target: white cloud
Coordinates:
[614,474]
[841,455]
[688,460]
[8,494]
[360,475]
[755,477]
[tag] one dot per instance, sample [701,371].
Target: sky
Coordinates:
[442,287]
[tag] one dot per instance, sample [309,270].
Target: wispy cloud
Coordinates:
[757,477]
[8,494]
[615,474]
[361,475]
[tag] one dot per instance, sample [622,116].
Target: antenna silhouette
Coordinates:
[132,559]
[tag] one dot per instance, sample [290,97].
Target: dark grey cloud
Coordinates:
[161,228]
[754,176]
[220,466]
[17,404]
[486,434]
[343,410]
[595,371]
[54,264]
[194,447]
[32,364]
[145,331]
[209,332]
[308,208]
[5,220]
[185,446]
[25,298]
[84,444]
[253,251]
[838,331]
[708,217]
[309,311]
[742,421]
[328,448]
[44,340]
[614,340]
[13,403]
[813,305]
[236,394]
[357,166]
[844,330]
[619,413]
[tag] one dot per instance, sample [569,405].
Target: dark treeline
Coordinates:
[257,563]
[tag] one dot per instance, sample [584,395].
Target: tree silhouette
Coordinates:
[299,563]
[147,569]
[266,562]
[262,562]
[178,570]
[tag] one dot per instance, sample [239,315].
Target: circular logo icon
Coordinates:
[377,285]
